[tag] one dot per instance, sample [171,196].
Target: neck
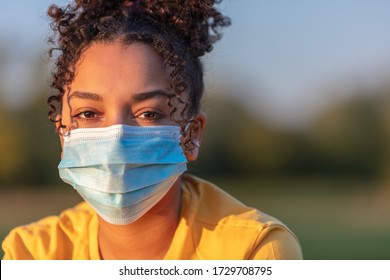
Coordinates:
[149,237]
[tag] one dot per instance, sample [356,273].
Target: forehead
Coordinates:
[112,66]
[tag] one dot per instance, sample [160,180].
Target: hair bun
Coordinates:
[198,22]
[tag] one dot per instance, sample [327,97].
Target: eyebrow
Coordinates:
[150,94]
[86,95]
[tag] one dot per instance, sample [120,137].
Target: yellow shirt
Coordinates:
[212,225]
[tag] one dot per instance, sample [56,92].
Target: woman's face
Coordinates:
[121,84]
[118,84]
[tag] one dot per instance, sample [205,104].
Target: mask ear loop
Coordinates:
[191,127]
[64,133]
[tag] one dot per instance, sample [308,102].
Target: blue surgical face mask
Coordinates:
[122,171]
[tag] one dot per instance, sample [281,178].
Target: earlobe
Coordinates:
[199,124]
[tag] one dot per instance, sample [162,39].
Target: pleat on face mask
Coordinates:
[120,200]
[120,178]
[127,211]
[122,171]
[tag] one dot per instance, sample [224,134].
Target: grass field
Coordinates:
[332,219]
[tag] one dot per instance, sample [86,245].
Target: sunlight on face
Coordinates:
[118,84]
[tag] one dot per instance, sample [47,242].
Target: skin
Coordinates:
[128,84]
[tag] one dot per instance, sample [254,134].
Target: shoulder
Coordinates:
[236,231]
[52,237]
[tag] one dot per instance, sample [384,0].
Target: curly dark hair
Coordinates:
[180,31]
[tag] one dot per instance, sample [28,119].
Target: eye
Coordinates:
[150,116]
[86,115]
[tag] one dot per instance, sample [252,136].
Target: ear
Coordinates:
[196,137]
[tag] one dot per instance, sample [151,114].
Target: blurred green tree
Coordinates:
[29,147]
[349,138]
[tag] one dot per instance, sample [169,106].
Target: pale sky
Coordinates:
[282,51]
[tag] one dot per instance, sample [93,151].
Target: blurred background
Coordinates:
[298,104]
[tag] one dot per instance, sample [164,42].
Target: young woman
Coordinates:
[129,82]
